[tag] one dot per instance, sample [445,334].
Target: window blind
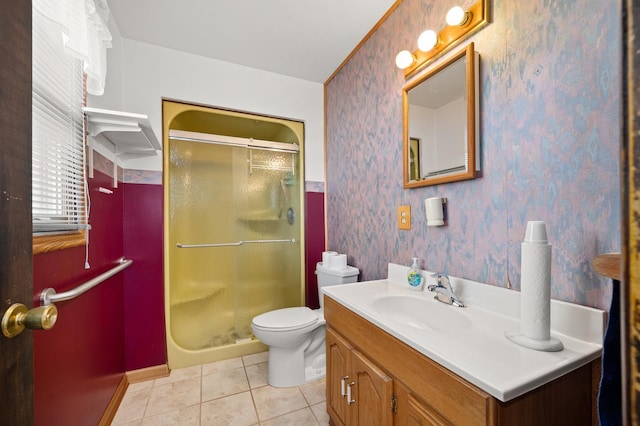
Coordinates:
[58,159]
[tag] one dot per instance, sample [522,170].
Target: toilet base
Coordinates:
[289,368]
[286,371]
[317,370]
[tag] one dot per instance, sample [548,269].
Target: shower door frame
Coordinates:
[180,357]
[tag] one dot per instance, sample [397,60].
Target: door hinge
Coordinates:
[394,404]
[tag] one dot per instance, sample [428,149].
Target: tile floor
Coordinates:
[231,392]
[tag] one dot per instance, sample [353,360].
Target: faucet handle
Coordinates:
[438,283]
[442,280]
[444,291]
[440,277]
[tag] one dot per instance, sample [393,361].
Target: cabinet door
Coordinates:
[371,394]
[419,415]
[338,370]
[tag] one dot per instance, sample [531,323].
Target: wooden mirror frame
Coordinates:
[472,89]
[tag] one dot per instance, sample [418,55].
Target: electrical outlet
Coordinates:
[404,217]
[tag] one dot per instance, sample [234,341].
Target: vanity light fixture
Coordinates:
[457,16]
[427,41]
[460,23]
[404,59]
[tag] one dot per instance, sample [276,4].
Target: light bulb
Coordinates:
[456,16]
[427,40]
[404,59]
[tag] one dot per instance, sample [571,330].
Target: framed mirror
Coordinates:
[440,123]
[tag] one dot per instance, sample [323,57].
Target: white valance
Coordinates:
[84,33]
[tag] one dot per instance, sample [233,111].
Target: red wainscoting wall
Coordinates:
[79,363]
[145,344]
[315,240]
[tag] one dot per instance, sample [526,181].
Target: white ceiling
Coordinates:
[307,39]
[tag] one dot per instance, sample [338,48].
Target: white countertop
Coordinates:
[480,353]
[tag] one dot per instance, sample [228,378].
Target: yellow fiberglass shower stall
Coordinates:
[233,223]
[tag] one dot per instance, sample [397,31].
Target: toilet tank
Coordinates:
[328,277]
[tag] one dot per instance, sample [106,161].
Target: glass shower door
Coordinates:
[234,239]
[268,275]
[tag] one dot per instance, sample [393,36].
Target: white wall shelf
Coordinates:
[129,133]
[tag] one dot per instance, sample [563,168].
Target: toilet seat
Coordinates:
[286,319]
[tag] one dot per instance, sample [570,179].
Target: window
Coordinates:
[70,38]
[58,159]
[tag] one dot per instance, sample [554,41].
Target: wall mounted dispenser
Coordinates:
[434,211]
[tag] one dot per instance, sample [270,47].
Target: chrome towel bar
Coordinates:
[239,243]
[49,295]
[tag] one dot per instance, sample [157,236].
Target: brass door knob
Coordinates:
[18,317]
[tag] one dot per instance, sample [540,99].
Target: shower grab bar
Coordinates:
[48,296]
[239,243]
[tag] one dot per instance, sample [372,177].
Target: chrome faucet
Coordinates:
[444,292]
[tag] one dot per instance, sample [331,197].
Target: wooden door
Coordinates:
[372,392]
[16,354]
[338,370]
[630,195]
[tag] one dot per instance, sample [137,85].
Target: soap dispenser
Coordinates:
[414,278]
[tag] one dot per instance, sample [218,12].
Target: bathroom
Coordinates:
[550,131]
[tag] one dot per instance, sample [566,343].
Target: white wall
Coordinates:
[112,97]
[150,73]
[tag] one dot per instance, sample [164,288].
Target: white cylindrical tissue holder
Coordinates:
[535,292]
[434,211]
[535,289]
[338,262]
[326,255]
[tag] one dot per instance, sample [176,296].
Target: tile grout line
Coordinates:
[309,405]
[314,415]
[146,405]
[253,401]
[304,396]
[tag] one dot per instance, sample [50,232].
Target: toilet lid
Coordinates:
[286,318]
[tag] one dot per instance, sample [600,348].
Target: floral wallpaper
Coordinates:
[550,77]
[105,165]
[313,186]
[148,177]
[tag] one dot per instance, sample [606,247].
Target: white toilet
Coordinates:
[296,336]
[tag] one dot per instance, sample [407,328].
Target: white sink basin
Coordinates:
[420,313]
[471,341]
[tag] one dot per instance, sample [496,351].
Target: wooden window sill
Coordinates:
[47,243]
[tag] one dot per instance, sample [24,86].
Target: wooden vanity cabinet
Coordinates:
[338,372]
[392,383]
[368,391]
